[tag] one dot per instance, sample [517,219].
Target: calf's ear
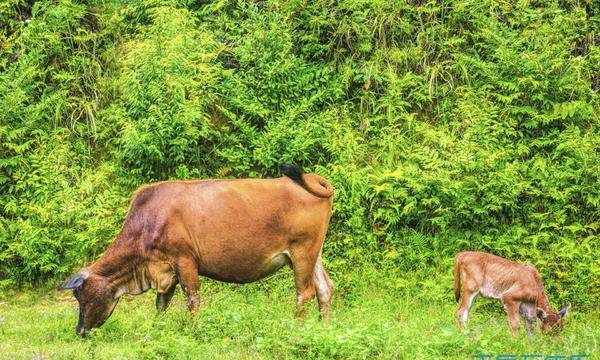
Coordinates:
[74,281]
[564,311]
[541,313]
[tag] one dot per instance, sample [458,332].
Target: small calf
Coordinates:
[518,286]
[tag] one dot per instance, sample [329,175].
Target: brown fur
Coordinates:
[230,230]
[518,286]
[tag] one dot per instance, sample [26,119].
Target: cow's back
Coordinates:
[496,276]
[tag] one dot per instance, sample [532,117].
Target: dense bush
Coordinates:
[443,125]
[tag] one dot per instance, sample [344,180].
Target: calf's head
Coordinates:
[96,299]
[552,321]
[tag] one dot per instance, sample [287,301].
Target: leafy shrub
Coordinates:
[443,126]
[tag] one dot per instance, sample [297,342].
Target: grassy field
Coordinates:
[373,317]
[443,126]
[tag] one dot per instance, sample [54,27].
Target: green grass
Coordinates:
[373,317]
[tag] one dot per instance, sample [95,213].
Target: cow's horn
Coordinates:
[564,311]
[74,281]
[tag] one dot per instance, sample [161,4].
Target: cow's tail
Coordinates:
[313,183]
[457,278]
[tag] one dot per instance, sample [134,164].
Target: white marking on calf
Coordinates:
[488,290]
[464,311]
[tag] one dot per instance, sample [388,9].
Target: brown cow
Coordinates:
[236,231]
[518,286]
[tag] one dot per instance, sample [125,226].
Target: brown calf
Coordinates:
[518,286]
[230,230]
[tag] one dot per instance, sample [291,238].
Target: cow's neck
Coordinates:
[127,273]
[542,301]
[542,298]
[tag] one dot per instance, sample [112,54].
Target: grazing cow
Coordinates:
[518,286]
[236,231]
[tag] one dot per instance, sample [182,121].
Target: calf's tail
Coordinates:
[457,278]
[313,183]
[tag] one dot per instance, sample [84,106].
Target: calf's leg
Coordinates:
[529,326]
[528,312]
[466,300]
[512,310]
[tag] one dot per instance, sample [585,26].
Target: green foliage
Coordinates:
[166,86]
[444,126]
[52,175]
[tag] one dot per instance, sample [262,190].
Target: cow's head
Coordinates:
[551,320]
[96,299]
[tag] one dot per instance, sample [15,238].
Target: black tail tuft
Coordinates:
[294,172]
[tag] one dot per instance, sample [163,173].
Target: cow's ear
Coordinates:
[74,281]
[564,311]
[541,313]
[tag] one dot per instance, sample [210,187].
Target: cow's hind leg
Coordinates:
[304,268]
[187,273]
[164,298]
[324,287]
[466,300]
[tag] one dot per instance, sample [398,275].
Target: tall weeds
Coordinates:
[444,125]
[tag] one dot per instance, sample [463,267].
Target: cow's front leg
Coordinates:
[187,272]
[164,298]
[529,327]
[512,310]
[528,312]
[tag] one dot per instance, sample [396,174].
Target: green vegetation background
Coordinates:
[443,125]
